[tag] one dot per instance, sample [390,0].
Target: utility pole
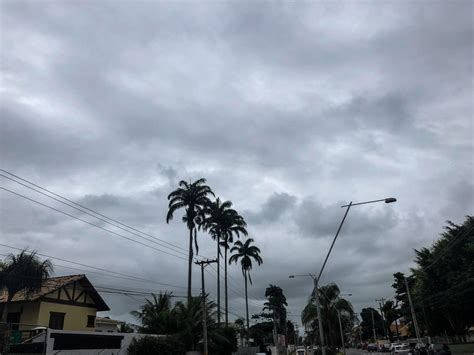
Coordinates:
[413,315]
[360,330]
[381,302]
[373,324]
[342,333]
[275,331]
[297,334]
[203,264]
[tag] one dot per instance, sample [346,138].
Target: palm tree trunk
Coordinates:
[190,263]
[5,308]
[225,289]
[218,284]
[246,301]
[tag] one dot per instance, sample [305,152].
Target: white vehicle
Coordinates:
[401,349]
[300,351]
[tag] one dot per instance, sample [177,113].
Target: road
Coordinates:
[363,352]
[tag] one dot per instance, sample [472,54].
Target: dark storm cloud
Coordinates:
[285,109]
[317,221]
[276,205]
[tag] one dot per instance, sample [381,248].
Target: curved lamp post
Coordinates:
[316,279]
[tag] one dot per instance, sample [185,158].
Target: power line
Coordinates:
[108,289]
[133,278]
[105,219]
[90,223]
[84,207]
[90,214]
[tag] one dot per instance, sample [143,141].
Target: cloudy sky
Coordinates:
[289,109]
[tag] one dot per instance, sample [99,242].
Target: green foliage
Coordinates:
[223,341]
[245,252]
[182,323]
[194,199]
[262,333]
[150,345]
[391,314]
[23,272]
[126,328]
[276,305]
[330,302]
[291,332]
[442,286]
[368,325]
[157,315]
[223,223]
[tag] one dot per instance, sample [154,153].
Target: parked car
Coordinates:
[401,349]
[439,349]
[372,347]
[385,348]
[301,351]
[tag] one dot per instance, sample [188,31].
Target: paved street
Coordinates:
[360,352]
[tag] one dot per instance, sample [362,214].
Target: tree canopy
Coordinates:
[442,285]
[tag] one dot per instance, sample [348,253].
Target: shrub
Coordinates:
[150,345]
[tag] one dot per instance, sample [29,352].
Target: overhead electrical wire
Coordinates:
[86,208]
[89,223]
[104,219]
[129,277]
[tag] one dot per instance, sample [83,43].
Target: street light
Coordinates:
[316,279]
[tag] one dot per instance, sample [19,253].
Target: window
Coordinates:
[56,320]
[14,319]
[90,321]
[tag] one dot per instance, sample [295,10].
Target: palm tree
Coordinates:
[245,252]
[189,320]
[193,197]
[223,223]
[22,272]
[330,302]
[156,315]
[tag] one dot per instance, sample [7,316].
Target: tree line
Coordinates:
[441,286]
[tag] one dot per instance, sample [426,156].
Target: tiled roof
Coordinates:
[52,284]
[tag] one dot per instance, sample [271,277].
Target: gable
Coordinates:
[73,292]
[72,289]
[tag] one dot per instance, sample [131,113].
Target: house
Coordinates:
[65,302]
[107,325]
[400,328]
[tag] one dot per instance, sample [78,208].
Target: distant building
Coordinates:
[400,328]
[65,302]
[107,325]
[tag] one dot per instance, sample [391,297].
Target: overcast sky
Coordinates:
[288,109]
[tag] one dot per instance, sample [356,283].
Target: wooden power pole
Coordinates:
[203,264]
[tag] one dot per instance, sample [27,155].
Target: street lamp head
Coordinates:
[390,200]
[291,276]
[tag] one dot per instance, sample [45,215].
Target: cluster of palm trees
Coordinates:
[223,224]
[331,303]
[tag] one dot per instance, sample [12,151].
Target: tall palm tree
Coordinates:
[234,226]
[193,197]
[223,223]
[330,301]
[245,252]
[22,272]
